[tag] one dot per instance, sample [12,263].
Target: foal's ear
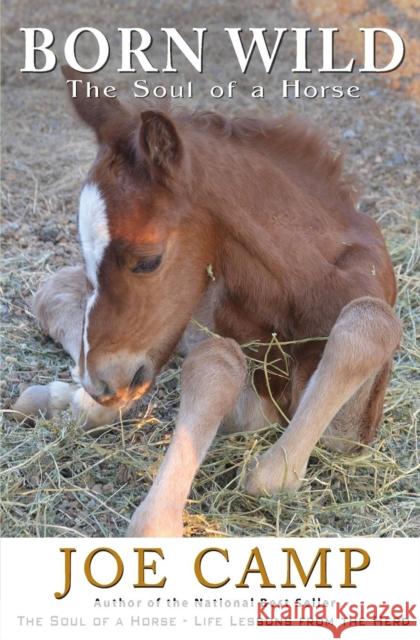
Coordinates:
[160,143]
[106,116]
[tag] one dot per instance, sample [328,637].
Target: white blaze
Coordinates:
[95,237]
[93,229]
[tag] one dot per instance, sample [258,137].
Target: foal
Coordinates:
[265,205]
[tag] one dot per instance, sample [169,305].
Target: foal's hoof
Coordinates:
[144,524]
[269,476]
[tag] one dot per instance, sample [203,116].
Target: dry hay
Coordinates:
[58,480]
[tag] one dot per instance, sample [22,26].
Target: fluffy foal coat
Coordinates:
[266,205]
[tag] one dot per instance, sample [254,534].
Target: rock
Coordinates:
[397,159]
[48,234]
[349,133]
[9,230]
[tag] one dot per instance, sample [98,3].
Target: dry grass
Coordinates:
[58,480]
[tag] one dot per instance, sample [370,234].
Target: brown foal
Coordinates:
[265,204]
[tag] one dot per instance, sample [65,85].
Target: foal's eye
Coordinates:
[146,265]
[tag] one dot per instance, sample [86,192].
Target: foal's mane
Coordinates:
[295,141]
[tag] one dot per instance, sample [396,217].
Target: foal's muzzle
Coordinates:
[115,388]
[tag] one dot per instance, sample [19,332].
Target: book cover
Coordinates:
[210,305]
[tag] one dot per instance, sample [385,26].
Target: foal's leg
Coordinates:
[59,306]
[361,342]
[251,412]
[212,377]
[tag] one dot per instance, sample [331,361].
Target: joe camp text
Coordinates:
[285,571]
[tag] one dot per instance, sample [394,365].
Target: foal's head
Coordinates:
[145,253]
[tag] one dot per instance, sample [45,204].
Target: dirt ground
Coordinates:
[56,479]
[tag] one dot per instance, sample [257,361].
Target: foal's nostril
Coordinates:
[106,389]
[138,377]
